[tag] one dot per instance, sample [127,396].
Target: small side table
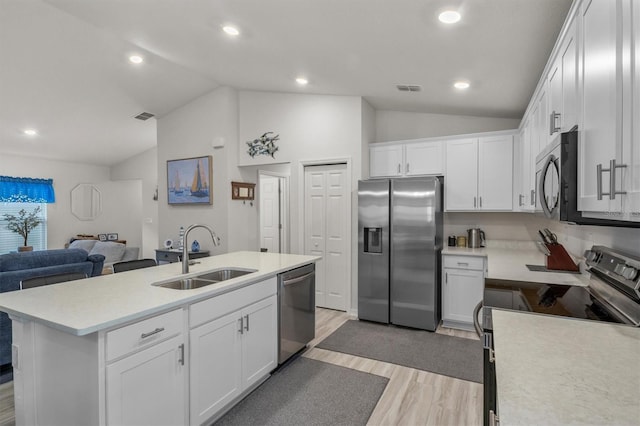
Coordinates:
[175,255]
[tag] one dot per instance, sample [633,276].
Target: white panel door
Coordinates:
[461,293]
[601,104]
[495,173]
[633,177]
[160,368]
[569,65]
[327,215]
[270,225]
[461,181]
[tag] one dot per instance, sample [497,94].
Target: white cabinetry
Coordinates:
[386,160]
[479,174]
[608,168]
[462,287]
[406,159]
[562,85]
[159,366]
[234,348]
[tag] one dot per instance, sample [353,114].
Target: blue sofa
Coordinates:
[15,267]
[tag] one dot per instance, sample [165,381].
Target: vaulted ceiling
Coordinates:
[64,67]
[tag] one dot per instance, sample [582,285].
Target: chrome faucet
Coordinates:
[185,250]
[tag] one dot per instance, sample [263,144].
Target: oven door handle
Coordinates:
[476,321]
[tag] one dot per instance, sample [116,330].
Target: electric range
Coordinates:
[612,295]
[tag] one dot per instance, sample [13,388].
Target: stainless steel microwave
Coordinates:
[557,184]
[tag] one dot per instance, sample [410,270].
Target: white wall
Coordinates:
[190,131]
[143,167]
[525,226]
[121,211]
[62,225]
[397,125]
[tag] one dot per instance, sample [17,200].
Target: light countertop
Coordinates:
[560,371]
[86,306]
[508,262]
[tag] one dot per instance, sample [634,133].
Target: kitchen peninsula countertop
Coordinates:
[85,306]
[560,371]
[508,260]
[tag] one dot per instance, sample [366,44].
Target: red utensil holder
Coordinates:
[559,259]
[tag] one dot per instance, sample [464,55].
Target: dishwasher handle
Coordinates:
[296,280]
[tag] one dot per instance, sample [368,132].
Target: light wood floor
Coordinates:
[412,397]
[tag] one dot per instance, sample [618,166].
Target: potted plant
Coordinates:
[22,224]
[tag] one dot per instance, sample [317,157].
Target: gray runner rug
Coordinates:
[447,355]
[310,392]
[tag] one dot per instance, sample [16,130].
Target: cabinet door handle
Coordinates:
[612,180]
[181,359]
[520,198]
[407,168]
[474,202]
[246,327]
[533,197]
[446,277]
[481,202]
[398,168]
[552,123]
[241,321]
[151,333]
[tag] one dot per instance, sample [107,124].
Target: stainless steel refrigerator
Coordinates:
[399,245]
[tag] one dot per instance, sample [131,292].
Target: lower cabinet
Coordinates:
[147,388]
[462,287]
[229,355]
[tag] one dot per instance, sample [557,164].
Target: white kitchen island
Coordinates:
[116,349]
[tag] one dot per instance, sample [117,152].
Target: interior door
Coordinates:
[270,215]
[326,220]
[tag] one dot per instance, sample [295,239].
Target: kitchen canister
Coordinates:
[452,241]
[462,241]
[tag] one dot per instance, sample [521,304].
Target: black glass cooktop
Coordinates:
[549,299]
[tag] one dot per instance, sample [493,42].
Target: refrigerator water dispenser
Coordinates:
[373,240]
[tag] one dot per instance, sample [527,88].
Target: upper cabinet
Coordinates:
[591,80]
[608,155]
[406,159]
[479,174]
[562,86]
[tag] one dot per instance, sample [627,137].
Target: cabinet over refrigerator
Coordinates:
[399,245]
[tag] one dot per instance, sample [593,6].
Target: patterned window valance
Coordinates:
[26,190]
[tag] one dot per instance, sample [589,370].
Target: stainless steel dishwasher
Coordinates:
[296,310]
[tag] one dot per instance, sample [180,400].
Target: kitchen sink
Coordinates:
[205,279]
[225,274]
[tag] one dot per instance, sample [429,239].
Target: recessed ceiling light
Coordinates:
[135,59]
[30,132]
[232,31]
[302,81]
[461,85]
[449,17]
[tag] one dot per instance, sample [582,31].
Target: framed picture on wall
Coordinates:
[112,237]
[102,237]
[190,181]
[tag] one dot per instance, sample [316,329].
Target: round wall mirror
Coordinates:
[86,201]
[549,188]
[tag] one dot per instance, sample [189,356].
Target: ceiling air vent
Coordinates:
[144,116]
[409,87]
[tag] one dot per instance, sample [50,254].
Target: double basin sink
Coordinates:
[205,279]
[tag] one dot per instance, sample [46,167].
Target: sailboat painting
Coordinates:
[189,180]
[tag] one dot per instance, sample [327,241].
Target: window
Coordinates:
[10,241]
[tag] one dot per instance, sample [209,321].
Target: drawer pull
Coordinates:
[463,263]
[151,333]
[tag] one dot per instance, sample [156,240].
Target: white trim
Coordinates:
[448,137]
[327,162]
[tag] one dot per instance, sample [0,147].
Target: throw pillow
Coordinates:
[111,251]
[86,245]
